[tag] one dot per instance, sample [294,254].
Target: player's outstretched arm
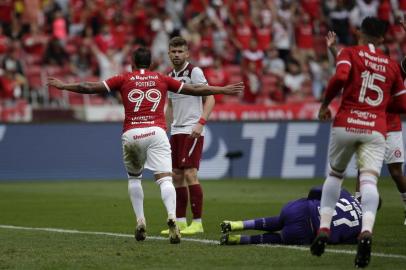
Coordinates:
[81,88]
[206,90]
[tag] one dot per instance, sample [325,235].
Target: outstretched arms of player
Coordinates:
[82,87]
[207,90]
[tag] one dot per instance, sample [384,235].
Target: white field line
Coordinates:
[204,241]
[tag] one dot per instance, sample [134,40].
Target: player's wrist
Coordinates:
[202,121]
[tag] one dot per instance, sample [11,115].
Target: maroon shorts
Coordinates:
[186,151]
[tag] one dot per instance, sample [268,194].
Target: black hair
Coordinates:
[374,27]
[142,58]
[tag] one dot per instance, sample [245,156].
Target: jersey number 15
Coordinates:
[369,82]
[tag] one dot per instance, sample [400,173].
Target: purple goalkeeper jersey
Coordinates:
[346,222]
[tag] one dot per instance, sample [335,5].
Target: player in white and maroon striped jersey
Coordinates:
[369,79]
[189,116]
[144,140]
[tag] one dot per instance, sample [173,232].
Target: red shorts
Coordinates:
[186,151]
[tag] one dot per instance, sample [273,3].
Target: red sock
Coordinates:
[181,201]
[196,200]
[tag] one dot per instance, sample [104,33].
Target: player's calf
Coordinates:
[319,243]
[363,256]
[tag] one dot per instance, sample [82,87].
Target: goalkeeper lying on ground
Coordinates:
[298,222]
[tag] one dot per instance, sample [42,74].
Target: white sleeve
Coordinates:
[198,76]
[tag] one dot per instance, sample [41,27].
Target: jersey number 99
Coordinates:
[137,96]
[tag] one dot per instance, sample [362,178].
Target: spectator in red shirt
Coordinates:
[312,7]
[34,41]
[253,55]
[304,37]
[12,80]
[385,11]
[252,82]
[263,35]
[217,75]
[105,40]
[242,32]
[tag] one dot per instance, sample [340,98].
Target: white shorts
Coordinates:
[394,148]
[369,149]
[146,148]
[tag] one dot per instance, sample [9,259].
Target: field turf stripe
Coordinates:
[204,241]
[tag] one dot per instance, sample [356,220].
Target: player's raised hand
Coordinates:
[55,83]
[331,39]
[324,113]
[233,89]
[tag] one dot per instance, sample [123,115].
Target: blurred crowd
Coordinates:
[277,47]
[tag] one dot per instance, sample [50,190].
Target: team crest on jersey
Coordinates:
[186,73]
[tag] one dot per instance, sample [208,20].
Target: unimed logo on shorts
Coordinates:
[141,136]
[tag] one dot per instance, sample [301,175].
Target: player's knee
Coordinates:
[163,180]
[191,176]
[336,173]
[368,178]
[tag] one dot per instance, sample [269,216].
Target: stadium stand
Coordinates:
[58,37]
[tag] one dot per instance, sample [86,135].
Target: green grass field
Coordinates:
[104,206]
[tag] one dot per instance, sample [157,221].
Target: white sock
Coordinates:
[369,200]
[329,197]
[137,198]
[197,220]
[403,196]
[168,194]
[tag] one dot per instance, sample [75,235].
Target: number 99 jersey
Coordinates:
[374,78]
[143,93]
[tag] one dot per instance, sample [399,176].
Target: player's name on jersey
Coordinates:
[375,66]
[146,84]
[374,61]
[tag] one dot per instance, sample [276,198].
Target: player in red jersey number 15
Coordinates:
[144,140]
[369,79]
